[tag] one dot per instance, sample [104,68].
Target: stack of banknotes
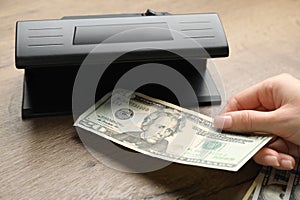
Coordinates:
[275,184]
[166,131]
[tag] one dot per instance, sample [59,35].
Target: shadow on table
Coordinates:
[173,181]
[176,181]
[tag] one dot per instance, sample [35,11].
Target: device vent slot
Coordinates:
[197,29]
[45,36]
[201,37]
[45,28]
[44,45]
[194,22]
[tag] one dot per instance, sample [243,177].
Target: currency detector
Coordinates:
[51,52]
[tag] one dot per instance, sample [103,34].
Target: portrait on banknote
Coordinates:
[155,130]
[273,191]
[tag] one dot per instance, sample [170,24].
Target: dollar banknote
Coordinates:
[166,131]
[275,184]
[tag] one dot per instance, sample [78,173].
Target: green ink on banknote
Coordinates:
[211,145]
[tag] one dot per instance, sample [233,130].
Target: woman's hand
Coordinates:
[269,107]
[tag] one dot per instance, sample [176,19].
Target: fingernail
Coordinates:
[272,160]
[223,121]
[286,164]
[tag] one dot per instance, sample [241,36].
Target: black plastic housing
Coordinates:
[51,52]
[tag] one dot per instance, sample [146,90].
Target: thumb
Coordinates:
[246,121]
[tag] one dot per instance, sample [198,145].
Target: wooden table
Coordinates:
[43,158]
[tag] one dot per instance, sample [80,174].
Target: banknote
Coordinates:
[275,184]
[295,191]
[166,131]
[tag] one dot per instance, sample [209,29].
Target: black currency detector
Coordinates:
[51,52]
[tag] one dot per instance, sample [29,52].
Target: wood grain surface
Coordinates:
[44,158]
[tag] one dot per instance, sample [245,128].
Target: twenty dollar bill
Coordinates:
[275,184]
[166,131]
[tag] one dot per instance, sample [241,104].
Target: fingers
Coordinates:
[247,111]
[246,121]
[256,96]
[284,146]
[266,95]
[268,107]
[270,157]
